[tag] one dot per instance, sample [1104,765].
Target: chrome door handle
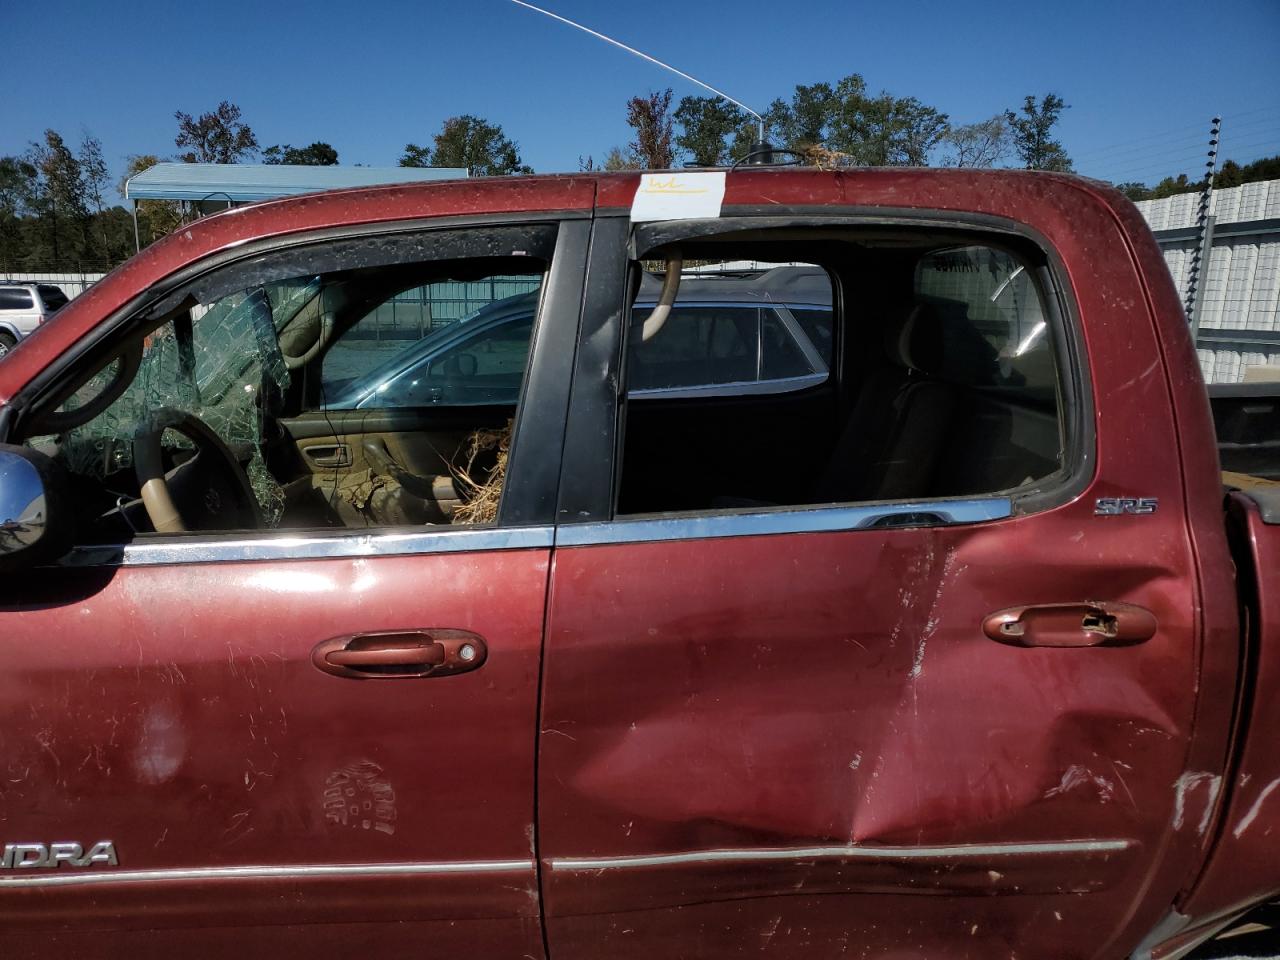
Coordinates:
[401,654]
[1085,624]
[329,455]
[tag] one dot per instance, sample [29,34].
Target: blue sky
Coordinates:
[1142,79]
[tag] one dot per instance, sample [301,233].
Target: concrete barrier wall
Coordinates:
[1240,312]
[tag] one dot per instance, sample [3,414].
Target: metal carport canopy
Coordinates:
[250,182]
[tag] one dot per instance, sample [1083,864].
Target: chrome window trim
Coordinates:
[820,519]
[867,852]
[224,549]
[293,872]
[172,550]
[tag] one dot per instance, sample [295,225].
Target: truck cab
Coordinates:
[897,612]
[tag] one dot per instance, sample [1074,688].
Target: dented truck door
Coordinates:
[958,728]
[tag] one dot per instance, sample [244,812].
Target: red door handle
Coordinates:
[1087,624]
[401,653]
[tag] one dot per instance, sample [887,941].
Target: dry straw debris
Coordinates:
[479,490]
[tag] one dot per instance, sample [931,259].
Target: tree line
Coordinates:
[1230,174]
[840,124]
[55,206]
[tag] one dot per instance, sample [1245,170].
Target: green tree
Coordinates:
[708,126]
[1231,174]
[805,120]
[318,154]
[618,159]
[650,117]
[218,136]
[415,156]
[97,181]
[1267,168]
[981,144]
[884,130]
[115,224]
[58,200]
[879,130]
[1134,191]
[479,146]
[17,188]
[1171,186]
[1032,131]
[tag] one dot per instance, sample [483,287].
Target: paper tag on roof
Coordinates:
[678,196]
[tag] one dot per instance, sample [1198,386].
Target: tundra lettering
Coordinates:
[24,855]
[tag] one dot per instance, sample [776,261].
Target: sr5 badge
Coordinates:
[1115,506]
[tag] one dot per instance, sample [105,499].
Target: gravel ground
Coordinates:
[1256,944]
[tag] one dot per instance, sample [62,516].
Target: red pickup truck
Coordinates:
[899,617]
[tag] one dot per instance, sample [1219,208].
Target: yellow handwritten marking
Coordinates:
[668,191]
[670,187]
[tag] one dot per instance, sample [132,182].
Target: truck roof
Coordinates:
[1049,203]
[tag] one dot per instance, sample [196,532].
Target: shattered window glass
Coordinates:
[221,363]
[243,349]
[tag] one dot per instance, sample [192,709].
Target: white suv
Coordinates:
[23,307]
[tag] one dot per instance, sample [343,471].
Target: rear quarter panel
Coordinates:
[1245,865]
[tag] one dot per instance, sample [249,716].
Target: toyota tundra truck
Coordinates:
[885,598]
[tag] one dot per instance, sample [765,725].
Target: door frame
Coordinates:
[588,488]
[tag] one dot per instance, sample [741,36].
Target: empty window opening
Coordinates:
[880,367]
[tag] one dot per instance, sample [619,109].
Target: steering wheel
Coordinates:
[211,486]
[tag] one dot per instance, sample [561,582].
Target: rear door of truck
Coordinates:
[948,709]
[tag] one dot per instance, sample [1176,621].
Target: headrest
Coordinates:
[941,347]
[899,333]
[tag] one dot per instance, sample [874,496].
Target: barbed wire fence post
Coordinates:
[1204,233]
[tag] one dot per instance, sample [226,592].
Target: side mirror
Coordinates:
[35,522]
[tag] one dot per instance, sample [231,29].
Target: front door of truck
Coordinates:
[316,735]
[778,712]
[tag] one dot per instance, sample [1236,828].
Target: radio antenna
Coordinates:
[644,56]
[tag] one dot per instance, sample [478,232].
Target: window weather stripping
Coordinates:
[815,520]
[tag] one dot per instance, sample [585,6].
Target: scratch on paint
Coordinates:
[1142,376]
[1183,786]
[1078,775]
[917,665]
[1214,786]
[1247,820]
[773,928]
[1115,765]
